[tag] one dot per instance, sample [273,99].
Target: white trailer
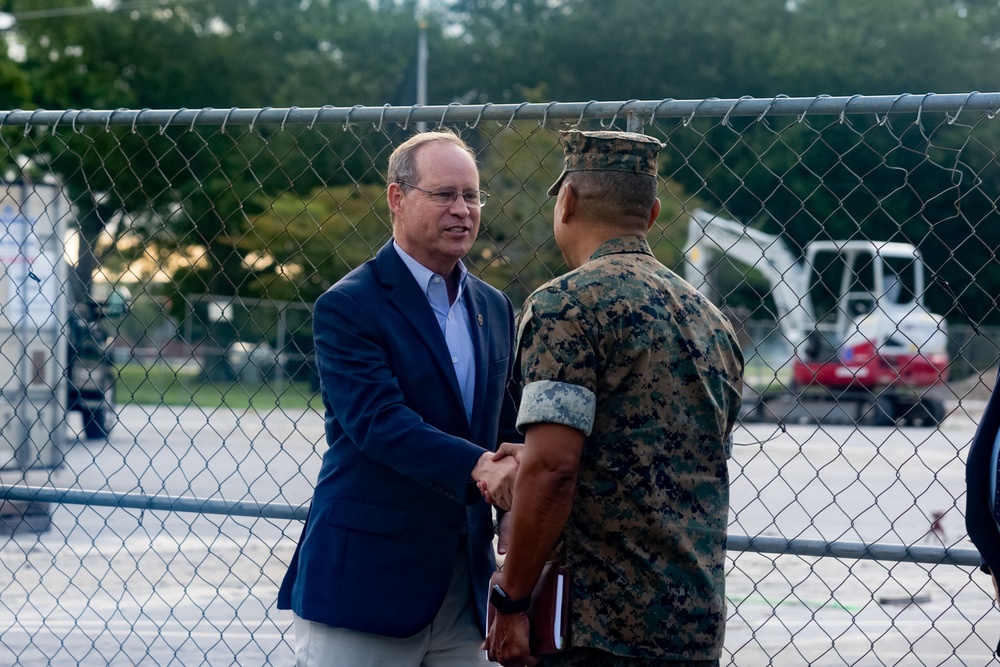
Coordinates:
[33,341]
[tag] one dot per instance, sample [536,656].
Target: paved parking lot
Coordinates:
[127,587]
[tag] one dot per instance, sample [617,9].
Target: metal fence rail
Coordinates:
[164,542]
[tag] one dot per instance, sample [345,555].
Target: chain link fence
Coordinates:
[161,425]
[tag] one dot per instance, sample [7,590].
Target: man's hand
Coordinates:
[503,533]
[495,477]
[506,449]
[508,641]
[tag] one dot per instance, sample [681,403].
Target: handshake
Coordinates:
[495,473]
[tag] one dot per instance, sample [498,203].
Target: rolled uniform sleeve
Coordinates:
[557,403]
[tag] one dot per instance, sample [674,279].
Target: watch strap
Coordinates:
[504,604]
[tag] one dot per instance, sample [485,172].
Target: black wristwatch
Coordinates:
[503,604]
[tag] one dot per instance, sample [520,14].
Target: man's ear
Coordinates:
[654,213]
[393,194]
[568,195]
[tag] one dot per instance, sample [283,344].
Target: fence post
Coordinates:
[634,122]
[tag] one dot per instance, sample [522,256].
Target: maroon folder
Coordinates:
[549,611]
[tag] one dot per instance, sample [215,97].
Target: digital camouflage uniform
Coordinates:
[633,356]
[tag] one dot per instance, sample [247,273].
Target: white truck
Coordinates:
[852,313]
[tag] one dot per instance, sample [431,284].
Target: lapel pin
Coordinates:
[480,317]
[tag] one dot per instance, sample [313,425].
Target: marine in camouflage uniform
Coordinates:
[628,353]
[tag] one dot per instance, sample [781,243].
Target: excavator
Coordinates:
[863,344]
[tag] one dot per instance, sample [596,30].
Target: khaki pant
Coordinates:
[453,639]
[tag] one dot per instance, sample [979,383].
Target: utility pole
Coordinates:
[422,71]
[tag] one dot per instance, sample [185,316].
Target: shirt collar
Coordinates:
[423,275]
[623,244]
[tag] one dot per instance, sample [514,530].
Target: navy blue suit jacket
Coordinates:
[393,503]
[979,520]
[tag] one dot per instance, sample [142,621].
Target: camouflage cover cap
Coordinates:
[607,151]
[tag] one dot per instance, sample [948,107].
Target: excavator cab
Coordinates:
[878,338]
[850,281]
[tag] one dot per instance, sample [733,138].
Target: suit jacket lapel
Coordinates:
[475,303]
[408,298]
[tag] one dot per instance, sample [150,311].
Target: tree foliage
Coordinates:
[219,198]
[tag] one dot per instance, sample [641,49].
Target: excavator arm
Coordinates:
[711,237]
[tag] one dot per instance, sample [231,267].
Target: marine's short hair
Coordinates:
[612,196]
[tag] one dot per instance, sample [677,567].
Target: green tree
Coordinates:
[851,47]
[579,50]
[314,241]
[194,189]
[199,193]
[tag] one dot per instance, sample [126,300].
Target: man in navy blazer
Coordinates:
[414,356]
[981,508]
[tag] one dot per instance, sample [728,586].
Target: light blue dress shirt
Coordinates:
[453,320]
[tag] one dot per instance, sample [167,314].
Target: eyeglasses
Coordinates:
[447,197]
